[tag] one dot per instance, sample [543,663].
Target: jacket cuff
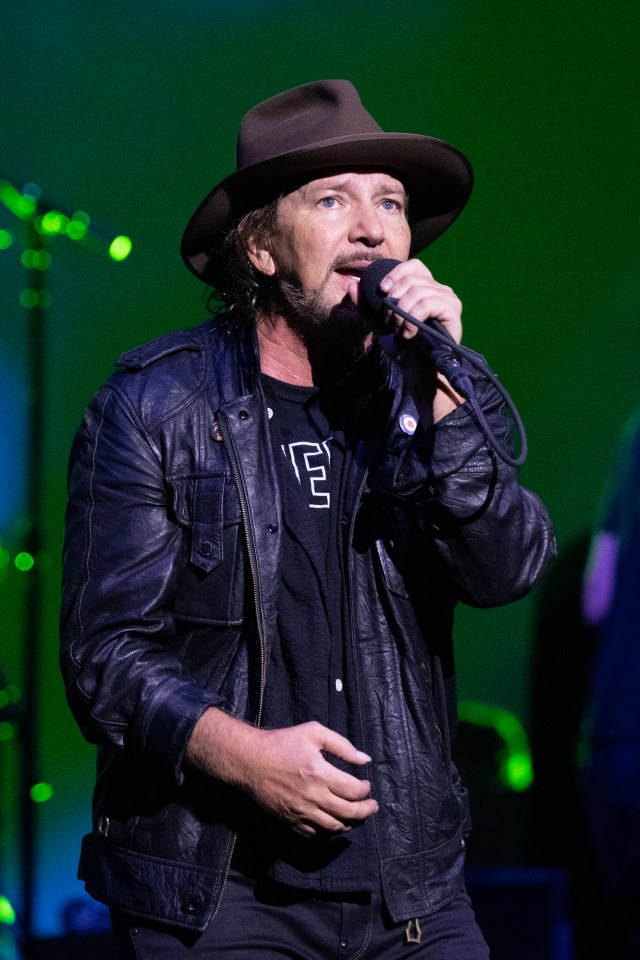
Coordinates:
[163,736]
[459,445]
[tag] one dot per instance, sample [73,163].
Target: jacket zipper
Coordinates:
[220,436]
[349,588]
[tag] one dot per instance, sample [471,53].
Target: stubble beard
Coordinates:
[316,323]
[319,325]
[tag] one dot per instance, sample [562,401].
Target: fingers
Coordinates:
[336,744]
[417,292]
[336,819]
[334,814]
[345,800]
[292,779]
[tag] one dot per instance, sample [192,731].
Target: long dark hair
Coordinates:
[242,288]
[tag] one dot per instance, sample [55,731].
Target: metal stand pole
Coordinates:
[35,297]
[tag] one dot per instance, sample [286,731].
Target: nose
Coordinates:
[366,226]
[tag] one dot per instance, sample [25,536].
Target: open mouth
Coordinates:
[349,272]
[352,270]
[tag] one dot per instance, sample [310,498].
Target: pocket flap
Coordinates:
[198,503]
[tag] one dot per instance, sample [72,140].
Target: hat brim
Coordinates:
[437,177]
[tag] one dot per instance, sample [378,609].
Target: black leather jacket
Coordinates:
[169,604]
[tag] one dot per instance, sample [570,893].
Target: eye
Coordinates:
[388,204]
[329,203]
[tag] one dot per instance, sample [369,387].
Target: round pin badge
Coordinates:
[408,424]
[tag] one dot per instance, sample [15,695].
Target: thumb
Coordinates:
[353,291]
[339,746]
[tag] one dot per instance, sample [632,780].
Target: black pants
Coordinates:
[258,922]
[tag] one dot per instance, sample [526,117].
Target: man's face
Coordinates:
[328,231]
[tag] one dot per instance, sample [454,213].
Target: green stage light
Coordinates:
[120,248]
[52,222]
[36,259]
[22,205]
[7,731]
[30,298]
[8,695]
[24,561]
[518,772]
[78,225]
[5,239]
[516,767]
[7,913]
[41,792]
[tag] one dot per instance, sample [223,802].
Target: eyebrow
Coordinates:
[319,186]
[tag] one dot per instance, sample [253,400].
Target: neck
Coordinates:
[286,356]
[282,354]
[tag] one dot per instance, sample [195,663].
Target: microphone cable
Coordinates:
[445,352]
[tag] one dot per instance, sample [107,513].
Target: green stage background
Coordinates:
[129,111]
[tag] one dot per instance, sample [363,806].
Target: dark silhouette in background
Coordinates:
[561,664]
[584,806]
[611,602]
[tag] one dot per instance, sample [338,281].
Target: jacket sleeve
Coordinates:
[124,682]
[493,535]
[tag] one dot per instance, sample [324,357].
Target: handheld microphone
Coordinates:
[371,301]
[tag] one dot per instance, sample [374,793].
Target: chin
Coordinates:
[346,322]
[313,316]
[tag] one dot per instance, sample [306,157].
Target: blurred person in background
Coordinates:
[611,601]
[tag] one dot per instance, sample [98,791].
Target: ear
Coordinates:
[261,258]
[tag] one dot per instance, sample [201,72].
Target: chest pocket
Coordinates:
[211,587]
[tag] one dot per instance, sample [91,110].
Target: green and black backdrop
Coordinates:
[128,112]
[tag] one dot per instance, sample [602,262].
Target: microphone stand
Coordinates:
[36,309]
[29,207]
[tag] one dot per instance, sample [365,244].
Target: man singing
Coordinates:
[271,519]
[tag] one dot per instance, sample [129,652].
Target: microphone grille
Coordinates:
[369,294]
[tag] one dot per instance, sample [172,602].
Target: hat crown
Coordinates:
[306,115]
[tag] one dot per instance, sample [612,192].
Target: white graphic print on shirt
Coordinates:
[311,461]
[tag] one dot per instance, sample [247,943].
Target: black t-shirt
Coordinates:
[310,673]
[305,678]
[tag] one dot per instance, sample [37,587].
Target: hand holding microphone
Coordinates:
[415,297]
[411,285]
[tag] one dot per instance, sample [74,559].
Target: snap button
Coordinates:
[192,905]
[272,527]
[205,549]
[243,414]
[103,826]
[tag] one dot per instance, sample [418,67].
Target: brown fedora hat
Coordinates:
[314,129]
